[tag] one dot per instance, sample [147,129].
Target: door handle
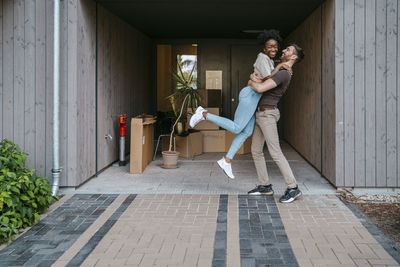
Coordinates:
[107,136]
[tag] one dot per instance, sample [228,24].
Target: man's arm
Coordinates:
[264,86]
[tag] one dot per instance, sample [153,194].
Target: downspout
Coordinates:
[56,100]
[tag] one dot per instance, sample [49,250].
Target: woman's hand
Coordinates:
[254,78]
[286,67]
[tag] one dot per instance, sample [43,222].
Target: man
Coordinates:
[267,116]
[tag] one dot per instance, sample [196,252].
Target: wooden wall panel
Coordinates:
[301,105]
[124,56]
[370,120]
[381,93]
[348,46]
[339,95]
[86,90]
[328,91]
[8,68]
[29,100]
[398,95]
[359,93]
[391,98]
[164,83]
[369,153]
[1,69]
[19,77]
[40,87]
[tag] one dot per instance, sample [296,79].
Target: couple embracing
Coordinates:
[257,114]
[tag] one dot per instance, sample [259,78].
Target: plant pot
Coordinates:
[170,159]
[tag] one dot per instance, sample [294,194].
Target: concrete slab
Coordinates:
[202,175]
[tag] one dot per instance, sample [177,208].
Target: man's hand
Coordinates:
[254,78]
[262,87]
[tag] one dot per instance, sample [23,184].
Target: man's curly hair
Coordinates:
[268,35]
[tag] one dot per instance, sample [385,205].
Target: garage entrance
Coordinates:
[225,42]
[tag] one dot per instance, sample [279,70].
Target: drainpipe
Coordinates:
[56,100]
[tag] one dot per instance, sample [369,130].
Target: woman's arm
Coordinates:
[262,87]
[278,67]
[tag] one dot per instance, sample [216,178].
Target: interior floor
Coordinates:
[202,175]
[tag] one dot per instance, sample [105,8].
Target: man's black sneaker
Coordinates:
[262,190]
[290,195]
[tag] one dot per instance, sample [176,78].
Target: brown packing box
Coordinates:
[244,149]
[183,144]
[213,141]
[204,125]
[142,143]
[211,97]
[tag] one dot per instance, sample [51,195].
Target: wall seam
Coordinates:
[365,93]
[386,82]
[376,165]
[343,101]
[66,47]
[25,46]
[354,96]
[13,85]
[322,92]
[34,109]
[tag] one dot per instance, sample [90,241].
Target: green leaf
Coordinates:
[24,197]
[37,217]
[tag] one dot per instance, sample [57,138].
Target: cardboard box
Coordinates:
[183,144]
[213,141]
[204,125]
[142,143]
[244,149]
[211,98]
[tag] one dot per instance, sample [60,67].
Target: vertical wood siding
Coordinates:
[24,79]
[328,91]
[367,91]
[26,82]
[308,108]
[301,105]
[124,85]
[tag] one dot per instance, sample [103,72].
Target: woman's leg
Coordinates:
[241,137]
[248,100]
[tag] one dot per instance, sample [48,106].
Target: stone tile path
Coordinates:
[324,232]
[198,230]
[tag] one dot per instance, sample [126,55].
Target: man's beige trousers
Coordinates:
[266,130]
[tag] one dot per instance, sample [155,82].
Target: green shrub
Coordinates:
[23,194]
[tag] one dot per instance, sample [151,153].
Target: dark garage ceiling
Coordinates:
[210,18]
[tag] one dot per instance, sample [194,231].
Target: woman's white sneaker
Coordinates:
[227,167]
[197,116]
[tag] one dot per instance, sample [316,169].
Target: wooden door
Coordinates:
[242,60]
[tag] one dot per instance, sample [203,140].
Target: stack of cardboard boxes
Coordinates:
[214,138]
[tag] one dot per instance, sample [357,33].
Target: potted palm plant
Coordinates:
[185,97]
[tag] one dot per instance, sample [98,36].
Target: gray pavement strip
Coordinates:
[263,239]
[385,241]
[220,245]
[79,258]
[47,240]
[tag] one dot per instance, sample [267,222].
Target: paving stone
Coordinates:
[263,241]
[337,237]
[64,225]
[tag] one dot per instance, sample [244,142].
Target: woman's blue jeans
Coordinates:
[243,123]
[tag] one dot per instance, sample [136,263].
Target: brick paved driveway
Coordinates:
[199,230]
